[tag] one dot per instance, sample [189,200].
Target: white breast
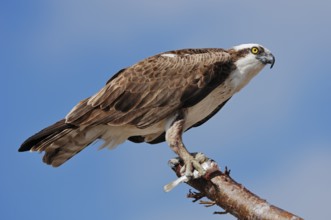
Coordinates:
[247,68]
[206,106]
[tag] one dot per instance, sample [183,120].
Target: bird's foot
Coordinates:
[193,167]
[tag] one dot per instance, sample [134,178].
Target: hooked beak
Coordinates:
[267,58]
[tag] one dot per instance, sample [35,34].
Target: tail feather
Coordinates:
[44,134]
[68,145]
[61,141]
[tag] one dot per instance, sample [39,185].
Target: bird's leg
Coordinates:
[174,139]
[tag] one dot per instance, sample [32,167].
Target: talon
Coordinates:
[188,167]
[192,165]
[197,166]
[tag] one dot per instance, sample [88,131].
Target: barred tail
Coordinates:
[61,141]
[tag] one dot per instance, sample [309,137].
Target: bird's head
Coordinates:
[249,60]
[253,55]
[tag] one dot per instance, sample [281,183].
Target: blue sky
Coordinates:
[275,135]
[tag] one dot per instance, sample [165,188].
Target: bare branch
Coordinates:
[231,196]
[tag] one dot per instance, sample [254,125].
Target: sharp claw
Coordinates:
[198,167]
[188,169]
[199,162]
[192,165]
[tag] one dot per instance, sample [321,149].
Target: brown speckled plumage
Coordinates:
[141,96]
[150,90]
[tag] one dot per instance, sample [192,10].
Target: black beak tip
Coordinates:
[273,61]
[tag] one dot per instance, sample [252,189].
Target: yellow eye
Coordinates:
[255,50]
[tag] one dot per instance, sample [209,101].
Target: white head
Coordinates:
[249,60]
[254,54]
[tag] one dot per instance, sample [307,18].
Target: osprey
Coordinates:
[154,100]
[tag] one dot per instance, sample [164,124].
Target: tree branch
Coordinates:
[231,196]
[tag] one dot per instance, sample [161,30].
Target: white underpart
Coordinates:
[115,135]
[247,68]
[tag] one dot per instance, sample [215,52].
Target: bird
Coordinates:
[156,99]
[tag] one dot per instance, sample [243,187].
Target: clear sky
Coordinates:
[275,135]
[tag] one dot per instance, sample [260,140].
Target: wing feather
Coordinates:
[155,88]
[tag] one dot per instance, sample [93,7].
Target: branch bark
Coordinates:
[231,196]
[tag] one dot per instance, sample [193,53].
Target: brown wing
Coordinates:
[154,88]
